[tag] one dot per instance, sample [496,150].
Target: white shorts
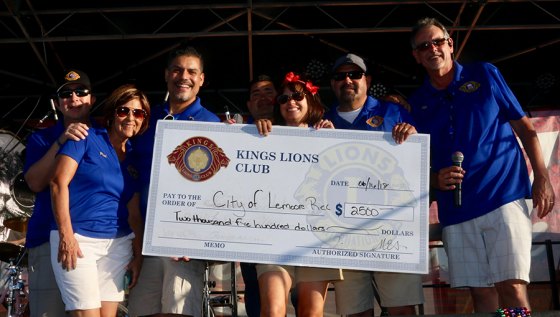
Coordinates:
[99,274]
[491,248]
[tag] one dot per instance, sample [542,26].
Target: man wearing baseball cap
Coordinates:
[355,109]
[74,100]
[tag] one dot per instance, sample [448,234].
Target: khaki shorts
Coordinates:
[497,244]
[356,292]
[315,274]
[398,289]
[44,296]
[169,287]
[264,268]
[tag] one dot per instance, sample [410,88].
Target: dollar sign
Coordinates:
[338,209]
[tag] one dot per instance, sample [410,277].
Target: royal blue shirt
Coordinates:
[376,115]
[472,116]
[38,144]
[101,187]
[144,144]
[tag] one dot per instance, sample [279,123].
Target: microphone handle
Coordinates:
[457,197]
[457,191]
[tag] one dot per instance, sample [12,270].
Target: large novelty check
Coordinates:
[322,198]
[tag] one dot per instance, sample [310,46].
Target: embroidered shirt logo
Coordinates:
[469,86]
[198,159]
[375,121]
[103,154]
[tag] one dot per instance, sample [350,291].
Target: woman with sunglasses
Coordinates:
[97,232]
[298,105]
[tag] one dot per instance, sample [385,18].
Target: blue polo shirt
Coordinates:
[144,144]
[101,187]
[38,144]
[472,116]
[376,115]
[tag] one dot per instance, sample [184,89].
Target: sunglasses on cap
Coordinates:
[424,46]
[355,74]
[67,93]
[297,96]
[136,113]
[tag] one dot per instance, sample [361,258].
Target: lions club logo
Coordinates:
[375,121]
[198,159]
[470,86]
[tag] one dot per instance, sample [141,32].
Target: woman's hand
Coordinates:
[324,123]
[180,259]
[264,126]
[68,252]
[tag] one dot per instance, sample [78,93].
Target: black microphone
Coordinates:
[457,159]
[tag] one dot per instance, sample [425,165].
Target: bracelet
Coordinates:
[513,312]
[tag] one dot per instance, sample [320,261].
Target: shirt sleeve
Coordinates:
[506,100]
[74,149]
[37,145]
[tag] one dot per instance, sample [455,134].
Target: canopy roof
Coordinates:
[122,41]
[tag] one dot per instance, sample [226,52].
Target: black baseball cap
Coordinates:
[74,76]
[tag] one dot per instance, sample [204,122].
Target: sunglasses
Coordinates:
[297,96]
[355,74]
[80,92]
[424,46]
[124,111]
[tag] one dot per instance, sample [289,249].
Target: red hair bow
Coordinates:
[293,78]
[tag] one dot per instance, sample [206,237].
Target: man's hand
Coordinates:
[401,131]
[447,178]
[75,131]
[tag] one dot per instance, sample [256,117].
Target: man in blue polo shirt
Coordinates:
[470,109]
[168,286]
[74,100]
[354,109]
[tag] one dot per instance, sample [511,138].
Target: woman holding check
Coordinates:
[298,105]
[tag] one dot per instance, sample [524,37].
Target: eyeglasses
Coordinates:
[124,111]
[355,74]
[297,96]
[424,46]
[80,92]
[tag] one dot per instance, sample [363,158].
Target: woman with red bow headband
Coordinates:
[297,105]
